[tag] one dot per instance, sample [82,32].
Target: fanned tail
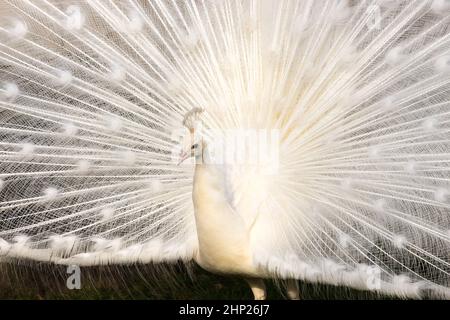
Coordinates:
[92,97]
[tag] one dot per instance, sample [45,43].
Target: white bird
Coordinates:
[318,134]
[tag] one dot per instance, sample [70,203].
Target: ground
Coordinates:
[42,281]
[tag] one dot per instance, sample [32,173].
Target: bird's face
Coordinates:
[192,147]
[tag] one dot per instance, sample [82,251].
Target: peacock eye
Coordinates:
[194,146]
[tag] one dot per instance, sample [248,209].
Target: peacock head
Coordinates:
[194,145]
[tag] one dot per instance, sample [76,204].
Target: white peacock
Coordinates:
[358,93]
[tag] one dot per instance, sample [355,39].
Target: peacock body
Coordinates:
[348,102]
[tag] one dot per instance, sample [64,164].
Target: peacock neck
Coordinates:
[209,182]
[209,177]
[223,240]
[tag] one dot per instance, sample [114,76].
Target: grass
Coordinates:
[38,281]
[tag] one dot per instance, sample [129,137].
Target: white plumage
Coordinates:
[353,189]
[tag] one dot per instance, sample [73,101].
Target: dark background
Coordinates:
[40,281]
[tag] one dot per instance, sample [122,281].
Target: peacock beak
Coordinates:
[183,156]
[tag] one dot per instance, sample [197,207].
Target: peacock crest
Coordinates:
[192,118]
